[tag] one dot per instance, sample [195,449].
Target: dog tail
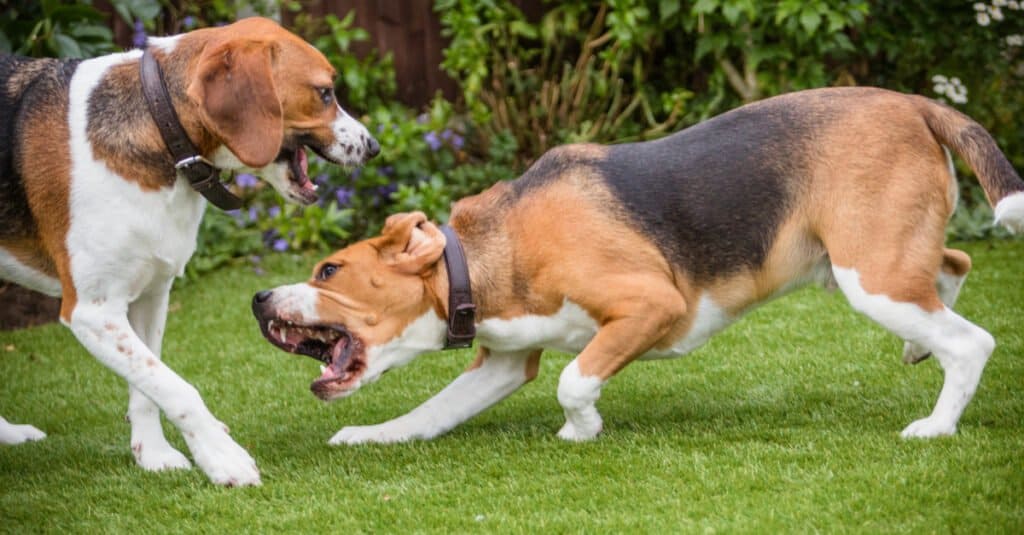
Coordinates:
[1003,186]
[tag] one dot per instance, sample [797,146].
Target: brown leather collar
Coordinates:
[201,174]
[461,310]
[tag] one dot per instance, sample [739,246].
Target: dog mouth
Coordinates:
[298,174]
[339,350]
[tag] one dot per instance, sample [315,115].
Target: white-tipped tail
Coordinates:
[1010,212]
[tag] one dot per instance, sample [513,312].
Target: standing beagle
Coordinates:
[100,201]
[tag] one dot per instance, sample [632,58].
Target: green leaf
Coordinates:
[810,20]
[668,8]
[67,47]
[705,6]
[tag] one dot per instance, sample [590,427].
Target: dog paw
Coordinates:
[16,434]
[913,353]
[928,428]
[369,434]
[224,461]
[574,433]
[156,457]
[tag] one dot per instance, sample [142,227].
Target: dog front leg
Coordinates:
[102,326]
[616,344]
[147,316]
[490,379]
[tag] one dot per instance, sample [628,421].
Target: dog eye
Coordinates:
[326,94]
[326,272]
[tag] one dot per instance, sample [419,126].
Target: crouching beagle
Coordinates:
[645,250]
[104,166]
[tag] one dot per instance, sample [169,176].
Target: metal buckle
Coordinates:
[192,160]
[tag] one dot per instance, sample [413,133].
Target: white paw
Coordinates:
[913,353]
[16,434]
[928,428]
[574,433]
[370,434]
[156,456]
[223,460]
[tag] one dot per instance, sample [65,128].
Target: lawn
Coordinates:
[788,421]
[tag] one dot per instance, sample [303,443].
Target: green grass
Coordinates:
[788,421]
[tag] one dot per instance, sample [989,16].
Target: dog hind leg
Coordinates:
[961,347]
[491,378]
[955,266]
[147,316]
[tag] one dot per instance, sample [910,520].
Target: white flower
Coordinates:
[999,3]
[1015,40]
[983,19]
[997,14]
[939,79]
[950,87]
[1013,4]
[978,6]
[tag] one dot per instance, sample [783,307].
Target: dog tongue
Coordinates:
[303,168]
[336,369]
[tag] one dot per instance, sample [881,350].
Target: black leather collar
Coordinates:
[461,310]
[201,174]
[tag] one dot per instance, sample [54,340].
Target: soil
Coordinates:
[21,307]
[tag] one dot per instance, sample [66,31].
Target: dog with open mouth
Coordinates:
[106,168]
[645,250]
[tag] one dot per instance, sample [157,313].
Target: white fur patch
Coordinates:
[475,390]
[296,303]
[426,333]
[961,348]
[13,270]
[350,137]
[122,240]
[1010,212]
[11,434]
[710,318]
[577,393]
[570,330]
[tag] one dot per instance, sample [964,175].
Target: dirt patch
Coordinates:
[21,307]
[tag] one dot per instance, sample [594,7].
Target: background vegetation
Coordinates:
[587,70]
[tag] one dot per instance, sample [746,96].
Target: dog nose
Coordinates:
[372,147]
[261,297]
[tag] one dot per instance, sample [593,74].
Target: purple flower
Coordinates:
[236,214]
[274,211]
[188,22]
[458,142]
[432,140]
[446,134]
[321,179]
[253,213]
[387,170]
[280,245]
[246,180]
[139,36]
[386,190]
[356,172]
[422,118]
[344,196]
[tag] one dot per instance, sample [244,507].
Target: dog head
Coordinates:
[266,96]
[368,308]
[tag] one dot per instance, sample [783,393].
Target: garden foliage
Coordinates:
[601,71]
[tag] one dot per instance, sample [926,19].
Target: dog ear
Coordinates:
[234,88]
[411,244]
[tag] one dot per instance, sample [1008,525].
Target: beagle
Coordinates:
[645,250]
[95,209]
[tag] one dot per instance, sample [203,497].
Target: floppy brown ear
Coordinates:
[234,87]
[411,244]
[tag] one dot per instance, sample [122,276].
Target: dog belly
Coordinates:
[708,320]
[15,268]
